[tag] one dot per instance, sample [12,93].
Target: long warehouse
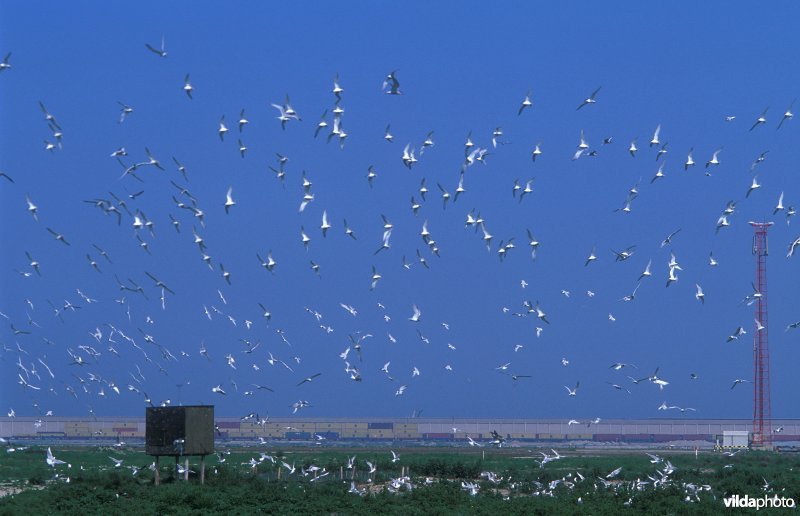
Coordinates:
[410,429]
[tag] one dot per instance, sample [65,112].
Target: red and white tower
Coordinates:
[762,412]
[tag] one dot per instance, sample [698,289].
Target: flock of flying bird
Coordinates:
[83,371]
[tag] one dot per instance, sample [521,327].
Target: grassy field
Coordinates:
[438,482]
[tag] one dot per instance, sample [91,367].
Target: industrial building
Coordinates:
[441,430]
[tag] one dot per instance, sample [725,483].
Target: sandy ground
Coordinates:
[8,490]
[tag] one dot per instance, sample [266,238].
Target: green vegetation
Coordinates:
[95,486]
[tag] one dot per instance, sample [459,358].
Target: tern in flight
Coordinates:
[528,189]
[662,151]
[229,202]
[322,123]
[573,392]
[126,110]
[371,175]
[583,144]
[714,158]
[222,129]
[242,120]
[393,84]
[787,115]
[689,160]
[416,315]
[516,377]
[632,149]
[47,115]
[445,193]
[385,242]
[51,460]
[423,189]
[308,379]
[672,275]
[533,243]
[325,226]
[592,257]
[375,278]
[5,65]
[754,186]
[646,272]
[497,133]
[187,86]
[225,274]
[762,119]
[537,310]
[792,246]
[158,51]
[460,188]
[590,100]
[738,332]
[624,255]
[58,236]
[760,159]
[659,173]
[218,390]
[159,283]
[654,140]
[537,151]
[738,381]
[33,263]
[779,206]
[526,103]
[349,231]
[667,241]
[619,387]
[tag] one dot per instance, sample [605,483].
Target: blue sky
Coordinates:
[462,68]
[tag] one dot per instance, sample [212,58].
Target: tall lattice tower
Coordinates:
[762,411]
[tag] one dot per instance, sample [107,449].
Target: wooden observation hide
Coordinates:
[180,432]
